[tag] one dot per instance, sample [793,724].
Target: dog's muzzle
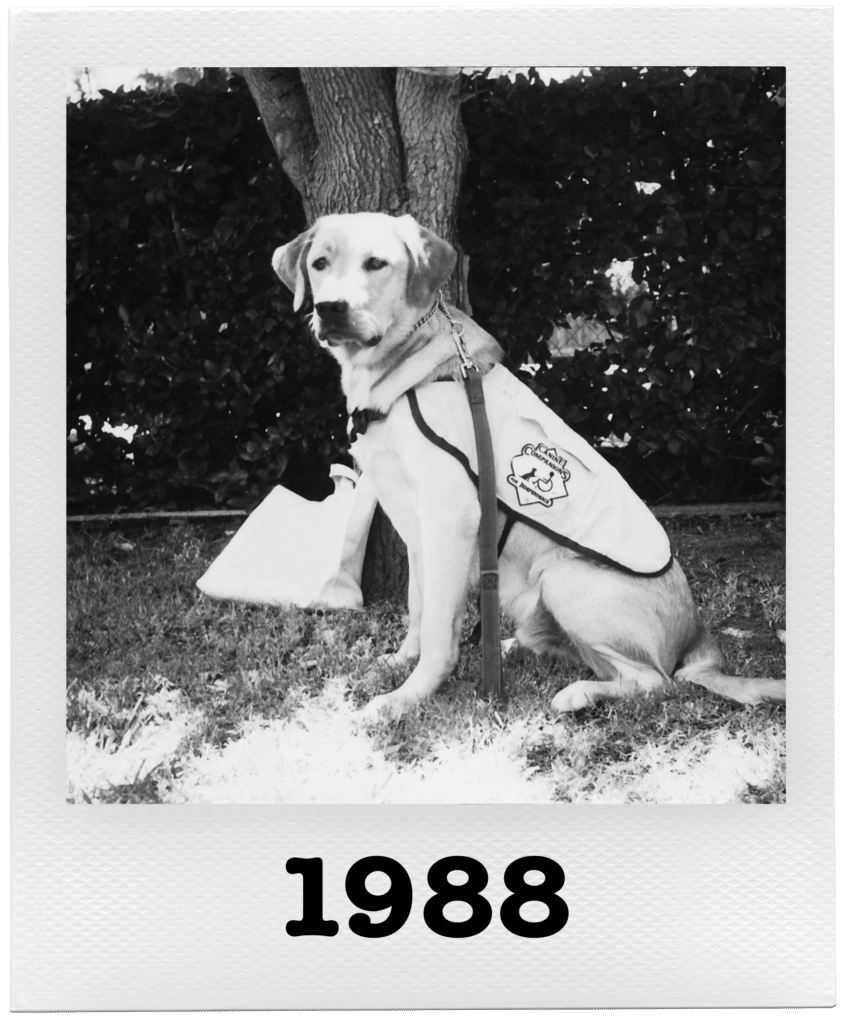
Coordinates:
[335,324]
[333,315]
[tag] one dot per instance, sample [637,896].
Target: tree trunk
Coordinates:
[435,147]
[285,110]
[380,139]
[358,161]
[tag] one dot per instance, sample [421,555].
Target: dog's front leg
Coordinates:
[448,556]
[410,649]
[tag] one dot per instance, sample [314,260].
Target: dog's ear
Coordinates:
[290,264]
[431,261]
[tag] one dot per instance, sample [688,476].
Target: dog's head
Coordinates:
[368,274]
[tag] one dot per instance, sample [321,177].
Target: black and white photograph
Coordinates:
[285,288]
[421,508]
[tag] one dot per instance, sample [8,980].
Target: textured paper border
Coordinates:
[184,907]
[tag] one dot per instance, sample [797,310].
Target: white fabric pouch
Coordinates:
[291,551]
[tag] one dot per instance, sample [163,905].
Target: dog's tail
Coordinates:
[745,691]
[702,665]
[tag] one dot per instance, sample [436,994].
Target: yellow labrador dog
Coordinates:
[373,281]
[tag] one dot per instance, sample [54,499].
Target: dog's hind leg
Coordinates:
[618,677]
[703,665]
[619,625]
[539,631]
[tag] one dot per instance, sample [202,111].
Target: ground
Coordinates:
[172,697]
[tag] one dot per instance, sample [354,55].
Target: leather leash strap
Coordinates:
[489,595]
[489,576]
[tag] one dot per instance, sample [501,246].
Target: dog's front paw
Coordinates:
[381,709]
[574,697]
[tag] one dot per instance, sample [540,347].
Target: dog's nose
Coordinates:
[332,312]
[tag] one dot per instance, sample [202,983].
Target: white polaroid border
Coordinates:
[161,907]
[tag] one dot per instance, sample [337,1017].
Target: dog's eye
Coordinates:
[373,263]
[319,264]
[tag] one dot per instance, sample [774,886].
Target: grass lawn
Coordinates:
[172,697]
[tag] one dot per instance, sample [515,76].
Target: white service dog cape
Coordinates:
[547,475]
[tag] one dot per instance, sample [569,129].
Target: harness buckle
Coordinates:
[489,579]
[457,329]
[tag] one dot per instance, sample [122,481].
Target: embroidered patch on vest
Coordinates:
[538,475]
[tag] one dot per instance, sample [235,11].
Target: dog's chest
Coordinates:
[390,443]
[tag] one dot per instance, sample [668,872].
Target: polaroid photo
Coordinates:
[441,621]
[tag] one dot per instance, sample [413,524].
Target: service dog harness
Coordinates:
[549,477]
[532,467]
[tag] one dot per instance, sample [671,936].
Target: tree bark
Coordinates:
[285,110]
[380,139]
[435,148]
[358,162]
